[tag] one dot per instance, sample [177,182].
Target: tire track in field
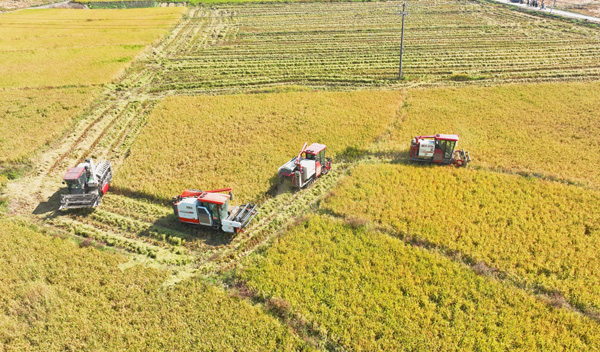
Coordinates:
[105,129]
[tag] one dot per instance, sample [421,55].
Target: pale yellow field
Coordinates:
[58,47]
[240,141]
[32,117]
[550,130]
[64,55]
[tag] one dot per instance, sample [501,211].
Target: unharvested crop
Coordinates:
[545,233]
[371,292]
[548,130]
[58,296]
[60,47]
[63,55]
[30,118]
[239,141]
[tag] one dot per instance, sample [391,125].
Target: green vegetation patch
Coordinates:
[371,292]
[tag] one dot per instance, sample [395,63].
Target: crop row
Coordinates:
[59,296]
[538,230]
[371,292]
[357,44]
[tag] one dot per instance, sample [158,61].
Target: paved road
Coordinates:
[554,12]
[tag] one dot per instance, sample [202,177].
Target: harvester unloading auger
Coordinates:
[211,208]
[438,149]
[87,183]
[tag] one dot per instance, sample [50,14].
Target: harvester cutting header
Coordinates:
[211,208]
[438,149]
[87,183]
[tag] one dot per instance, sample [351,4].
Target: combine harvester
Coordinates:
[211,208]
[438,149]
[310,164]
[87,183]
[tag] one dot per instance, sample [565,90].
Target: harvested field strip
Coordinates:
[356,44]
[372,292]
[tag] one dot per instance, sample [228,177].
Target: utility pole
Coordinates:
[403,13]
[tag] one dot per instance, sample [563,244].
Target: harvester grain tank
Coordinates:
[438,149]
[211,209]
[86,183]
[309,165]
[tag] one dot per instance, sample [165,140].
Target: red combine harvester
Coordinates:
[87,183]
[310,164]
[211,208]
[438,149]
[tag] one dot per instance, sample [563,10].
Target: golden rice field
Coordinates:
[545,232]
[58,296]
[240,141]
[549,130]
[372,292]
[31,118]
[51,60]
[61,47]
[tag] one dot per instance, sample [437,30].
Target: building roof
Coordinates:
[315,148]
[73,173]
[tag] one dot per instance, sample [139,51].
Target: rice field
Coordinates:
[62,47]
[371,292]
[32,118]
[543,130]
[53,62]
[378,255]
[352,45]
[57,295]
[240,141]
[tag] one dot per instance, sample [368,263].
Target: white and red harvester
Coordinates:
[438,149]
[87,183]
[211,208]
[310,164]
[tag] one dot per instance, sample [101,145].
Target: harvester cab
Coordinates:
[211,208]
[86,183]
[438,149]
[309,165]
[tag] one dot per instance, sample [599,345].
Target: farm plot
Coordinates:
[58,296]
[349,45]
[371,292]
[542,232]
[52,61]
[30,118]
[239,141]
[547,130]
